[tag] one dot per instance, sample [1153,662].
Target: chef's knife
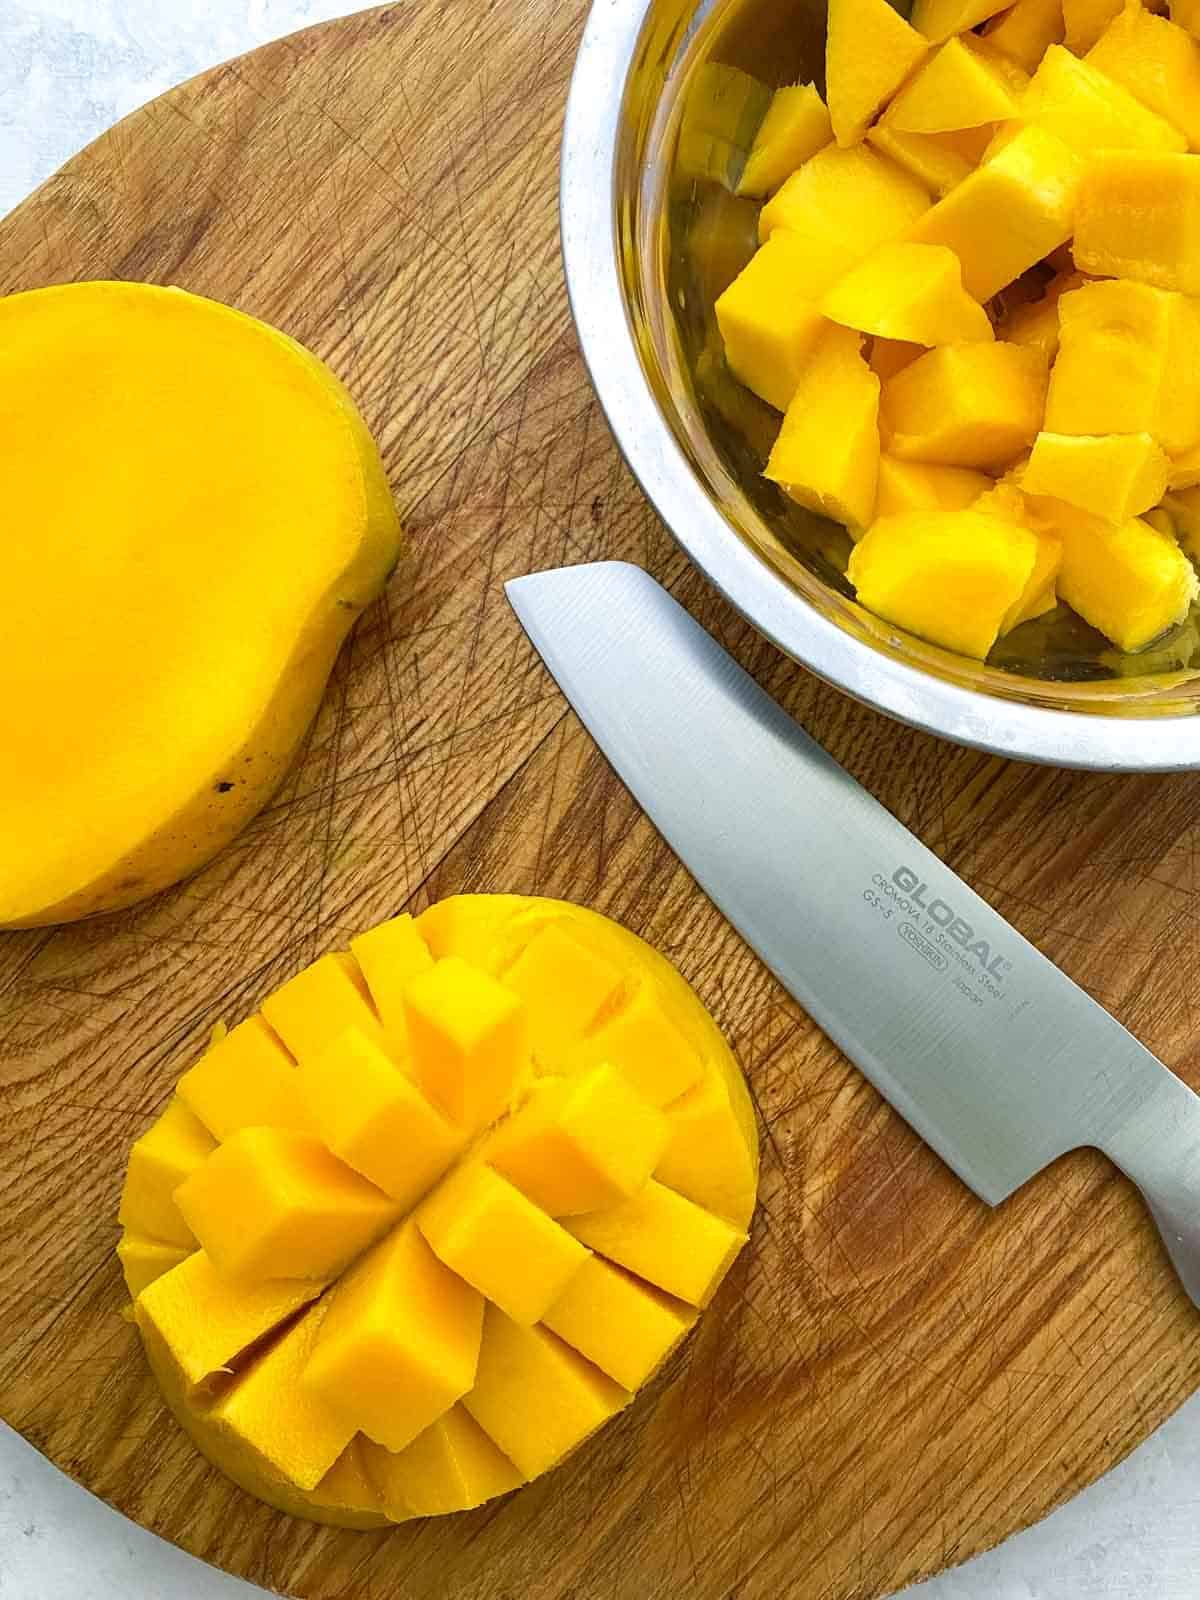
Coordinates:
[992,1054]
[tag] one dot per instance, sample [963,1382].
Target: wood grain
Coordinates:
[895,1377]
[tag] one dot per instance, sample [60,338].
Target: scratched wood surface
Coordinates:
[895,1377]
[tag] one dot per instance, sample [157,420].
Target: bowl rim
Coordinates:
[588,210]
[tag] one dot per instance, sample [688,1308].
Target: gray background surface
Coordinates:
[69,68]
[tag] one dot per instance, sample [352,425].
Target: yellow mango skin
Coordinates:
[827,454]
[958,87]
[908,292]
[949,577]
[1115,476]
[938,19]
[1157,62]
[1128,362]
[858,198]
[1010,213]
[290,523]
[1139,217]
[1128,580]
[870,50]
[965,405]
[1091,112]
[1027,31]
[796,126]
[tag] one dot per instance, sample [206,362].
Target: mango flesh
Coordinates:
[133,779]
[856,197]
[949,577]
[1115,476]
[1159,64]
[908,292]
[959,87]
[827,454]
[795,127]
[1040,320]
[965,405]
[870,51]
[1009,213]
[473,1340]
[1128,362]
[160,1162]
[1091,112]
[1139,217]
[1026,31]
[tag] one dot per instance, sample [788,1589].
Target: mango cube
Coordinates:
[208,1323]
[346,1485]
[1128,362]
[304,1450]
[795,127]
[452,1466]
[313,1008]
[375,1119]
[950,577]
[870,51]
[580,1143]
[1035,323]
[1041,587]
[938,19]
[159,1162]
[705,1155]
[1185,468]
[827,454]
[245,1080]
[1128,580]
[272,1203]
[144,1260]
[1009,213]
[958,87]
[1157,62]
[1026,31]
[623,1326]
[1139,217]
[466,925]
[1085,20]
[889,356]
[483,1227]
[469,1037]
[769,330]
[858,198]
[666,1239]
[1092,113]
[565,987]
[909,292]
[389,957]
[645,1045]
[965,405]
[574,1398]
[922,486]
[399,1343]
[1114,476]
[935,160]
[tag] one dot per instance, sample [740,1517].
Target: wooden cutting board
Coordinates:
[895,1377]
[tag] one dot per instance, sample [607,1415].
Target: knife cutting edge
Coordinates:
[991,1053]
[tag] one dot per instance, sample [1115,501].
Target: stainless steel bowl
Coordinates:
[664,103]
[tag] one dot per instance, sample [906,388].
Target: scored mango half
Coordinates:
[406,1238]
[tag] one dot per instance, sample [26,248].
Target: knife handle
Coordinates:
[1157,1146]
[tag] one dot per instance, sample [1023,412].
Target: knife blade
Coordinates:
[990,1052]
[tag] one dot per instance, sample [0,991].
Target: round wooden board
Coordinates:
[895,1377]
